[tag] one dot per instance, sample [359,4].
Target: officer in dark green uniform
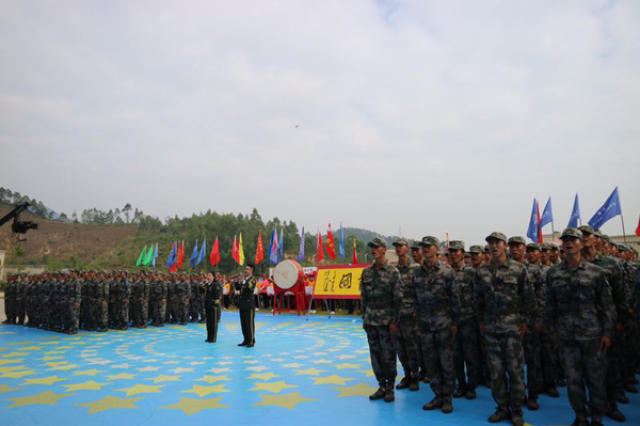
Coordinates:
[212,296]
[246,305]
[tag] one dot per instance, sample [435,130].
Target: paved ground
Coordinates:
[303,370]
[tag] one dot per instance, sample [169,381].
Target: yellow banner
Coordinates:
[335,282]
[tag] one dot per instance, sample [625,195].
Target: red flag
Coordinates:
[354,255]
[539,227]
[180,254]
[259,249]
[235,254]
[638,228]
[214,255]
[331,248]
[319,253]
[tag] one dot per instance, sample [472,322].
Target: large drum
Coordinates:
[287,273]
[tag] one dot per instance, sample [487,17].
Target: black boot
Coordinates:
[388,391]
[404,383]
[532,402]
[501,413]
[581,420]
[436,402]
[614,413]
[379,394]
[516,417]
[414,385]
[447,407]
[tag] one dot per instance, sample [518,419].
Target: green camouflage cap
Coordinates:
[430,241]
[554,246]
[533,246]
[571,233]
[598,232]
[456,245]
[586,229]
[486,248]
[475,249]
[517,240]
[545,246]
[496,236]
[377,242]
[401,242]
[622,247]
[415,245]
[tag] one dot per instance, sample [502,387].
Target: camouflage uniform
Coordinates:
[20,298]
[466,341]
[437,310]
[72,297]
[503,302]
[103,285]
[580,308]
[532,340]
[10,300]
[406,337]
[183,294]
[159,301]
[381,298]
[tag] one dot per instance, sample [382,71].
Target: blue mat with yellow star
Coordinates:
[302,370]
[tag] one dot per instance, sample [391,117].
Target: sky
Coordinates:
[416,117]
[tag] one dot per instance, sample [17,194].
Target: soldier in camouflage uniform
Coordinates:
[466,340]
[580,308]
[477,260]
[381,298]
[632,332]
[504,302]
[72,296]
[159,300]
[620,294]
[183,293]
[437,310]
[532,339]
[103,285]
[407,330]
[21,284]
[416,255]
[10,299]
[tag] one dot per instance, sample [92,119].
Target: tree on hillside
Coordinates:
[126,209]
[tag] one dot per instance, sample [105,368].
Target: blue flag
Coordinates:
[280,247]
[609,209]
[341,242]
[155,255]
[533,231]
[273,247]
[172,255]
[301,250]
[575,214]
[201,253]
[547,215]
[194,254]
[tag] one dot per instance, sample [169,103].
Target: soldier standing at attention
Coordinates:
[504,302]
[406,337]
[437,311]
[247,307]
[381,295]
[212,297]
[466,341]
[477,260]
[416,253]
[580,308]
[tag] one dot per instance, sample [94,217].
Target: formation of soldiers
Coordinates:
[460,319]
[67,300]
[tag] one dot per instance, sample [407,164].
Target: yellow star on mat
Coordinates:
[218,370]
[263,376]
[46,397]
[164,378]
[89,385]
[286,400]
[357,389]
[193,405]
[50,342]
[108,402]
[149,368]
[211,379]
[43,380]
[18,373]
[224,362]
[64,347]
[310,371]
[301,357]
[292,365]
[345,356]
[202,390]
[21,342]
[120,376]
[141,388]
[12,354]
[64,367]
[50,357]
[120,366]
[367,373]
[53,364]
[12,368]
[90,372]
[347,365]
[196,363]
[11,361]
[333,379]
[362,351]
[256,368]
[182,370]
[28,348]
[322,361]
[271,386]
[5,388]
[53,352]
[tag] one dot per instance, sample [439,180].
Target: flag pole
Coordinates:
[624,235]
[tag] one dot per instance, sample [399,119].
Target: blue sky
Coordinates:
[430,116]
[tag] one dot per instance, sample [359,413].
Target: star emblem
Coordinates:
[108,402]
[18,373]
[285,400]
[120,376]
[141,388]
[347,365]
[89,385]
[292,365]
[11,361]
[357,389]
[120,366]
[46,397]
[51,357]
[332,379]
[271,386]
[149,368]
[202,390]
[63,367]
[211,379]
[193,405]
[164,378]
[14,354]
[90,372]
[322,361]
[5,388]
[43,380]
[263,376]
[345,356]
[256,368]
[367,373]
[182,370]
[310,371]
[218,370]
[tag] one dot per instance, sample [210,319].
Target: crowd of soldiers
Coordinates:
[460,319]
[67,300]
